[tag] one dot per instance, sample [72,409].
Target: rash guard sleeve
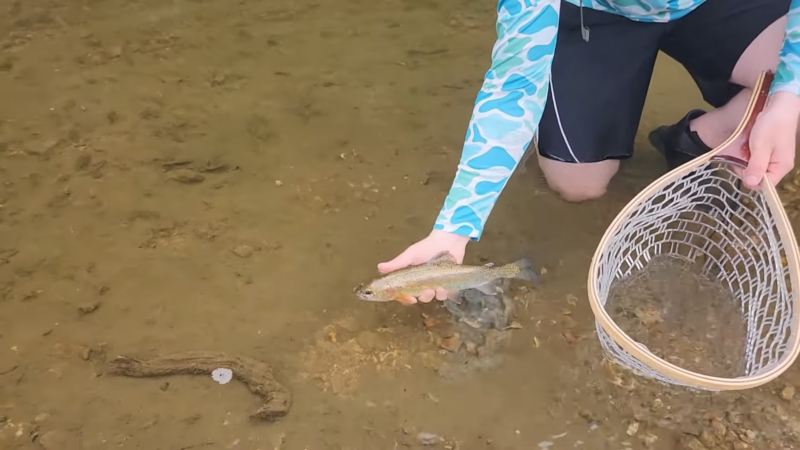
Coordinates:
[787,76]
[506,113]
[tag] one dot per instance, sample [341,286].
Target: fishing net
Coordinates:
[701,213]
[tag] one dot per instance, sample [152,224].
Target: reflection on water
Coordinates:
[209,175]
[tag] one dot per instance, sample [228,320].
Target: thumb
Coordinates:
[402,260]
[760,155]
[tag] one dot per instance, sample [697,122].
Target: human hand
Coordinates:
[423,251]
[773,139]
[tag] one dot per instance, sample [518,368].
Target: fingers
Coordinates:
[402,260]
[427,295]
[782,162]
[774,159]
[777,172]
[406,300]
[440,294]
[760,155]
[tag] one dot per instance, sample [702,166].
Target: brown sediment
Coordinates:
[255,374]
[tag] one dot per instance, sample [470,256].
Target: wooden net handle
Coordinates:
[758,108]
[760,103]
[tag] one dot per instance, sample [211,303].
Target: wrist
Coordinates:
[451,237]
[785,102]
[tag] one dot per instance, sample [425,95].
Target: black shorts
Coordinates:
[598,88]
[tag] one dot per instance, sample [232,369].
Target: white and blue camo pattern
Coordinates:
[787,75]
[511,101]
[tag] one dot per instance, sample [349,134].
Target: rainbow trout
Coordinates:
[442,271]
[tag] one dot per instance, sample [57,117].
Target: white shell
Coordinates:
[222,375]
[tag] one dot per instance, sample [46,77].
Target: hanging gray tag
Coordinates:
[584,28]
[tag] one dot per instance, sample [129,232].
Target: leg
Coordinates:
[724,44]
[578,182]
[597,92]
[762,54]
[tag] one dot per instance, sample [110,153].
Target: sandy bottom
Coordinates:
[217,176]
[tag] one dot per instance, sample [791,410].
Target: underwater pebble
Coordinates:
[429,438]
[243,251]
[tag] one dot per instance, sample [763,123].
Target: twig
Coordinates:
[255,374]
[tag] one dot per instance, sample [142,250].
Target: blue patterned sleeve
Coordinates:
[506,113]
[787,76]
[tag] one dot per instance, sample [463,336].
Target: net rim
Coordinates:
[757,101]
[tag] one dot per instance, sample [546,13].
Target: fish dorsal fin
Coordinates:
[444,257]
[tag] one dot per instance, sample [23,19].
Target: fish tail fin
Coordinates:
[524,271]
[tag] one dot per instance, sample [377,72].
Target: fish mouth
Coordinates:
[359,292]
[363,296]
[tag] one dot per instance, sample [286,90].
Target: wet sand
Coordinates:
[206,175]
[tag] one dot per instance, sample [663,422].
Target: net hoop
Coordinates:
[672,372]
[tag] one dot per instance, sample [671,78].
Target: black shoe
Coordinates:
[677,143]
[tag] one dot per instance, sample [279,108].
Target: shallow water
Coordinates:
[213,175]
[682,315]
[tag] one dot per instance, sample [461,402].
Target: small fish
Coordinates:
[442,271]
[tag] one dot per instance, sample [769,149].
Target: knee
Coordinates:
[577,192]
[578,182]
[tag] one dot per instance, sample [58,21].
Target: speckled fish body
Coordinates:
[442,271]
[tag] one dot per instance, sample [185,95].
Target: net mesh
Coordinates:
[708,217]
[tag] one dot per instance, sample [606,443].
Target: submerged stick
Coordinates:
[255,374]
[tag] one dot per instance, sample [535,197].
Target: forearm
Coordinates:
[787,75]
[506,113]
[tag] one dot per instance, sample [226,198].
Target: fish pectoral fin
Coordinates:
[489,288]
[443,257]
